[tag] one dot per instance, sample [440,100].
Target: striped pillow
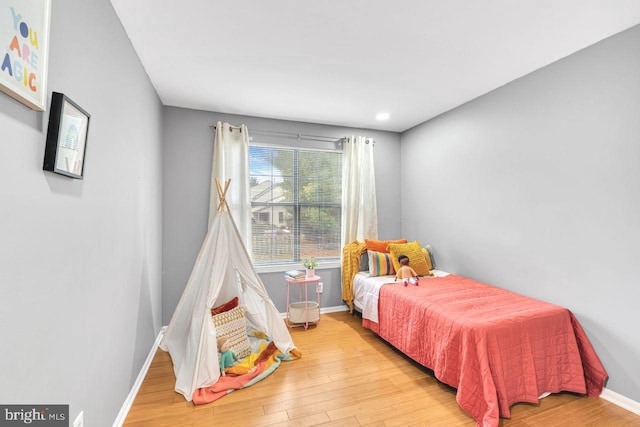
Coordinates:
[428,256]
[380,264]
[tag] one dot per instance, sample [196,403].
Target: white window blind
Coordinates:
[296,199]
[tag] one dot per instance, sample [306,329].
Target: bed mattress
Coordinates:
[366,289]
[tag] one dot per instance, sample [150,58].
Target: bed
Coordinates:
[494,346]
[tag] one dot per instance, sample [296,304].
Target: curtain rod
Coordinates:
[298,136]
[291,135]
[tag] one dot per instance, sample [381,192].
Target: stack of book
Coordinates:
[295,274]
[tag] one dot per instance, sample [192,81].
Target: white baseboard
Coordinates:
[621,401]
[334,309]
[126,406]
[324,310]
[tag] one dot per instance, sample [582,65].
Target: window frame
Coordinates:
[328,262]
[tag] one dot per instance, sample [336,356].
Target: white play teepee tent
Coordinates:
[223,270]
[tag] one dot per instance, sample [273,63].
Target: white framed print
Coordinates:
[24,50]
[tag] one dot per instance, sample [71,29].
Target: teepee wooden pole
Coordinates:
[222,195]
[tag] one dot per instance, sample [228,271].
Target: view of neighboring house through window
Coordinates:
[296,199]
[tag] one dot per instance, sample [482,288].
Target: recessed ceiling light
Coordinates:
[382,116]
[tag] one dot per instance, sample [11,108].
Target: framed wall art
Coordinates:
[24,50]
[67,134]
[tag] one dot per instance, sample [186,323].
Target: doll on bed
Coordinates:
[405,272]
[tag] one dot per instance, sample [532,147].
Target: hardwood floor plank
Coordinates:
[345,422]
[347,376]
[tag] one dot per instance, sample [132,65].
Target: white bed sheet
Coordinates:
[366,290]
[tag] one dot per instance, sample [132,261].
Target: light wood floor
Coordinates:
[349,377]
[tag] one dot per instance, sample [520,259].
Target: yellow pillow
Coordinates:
[416,257]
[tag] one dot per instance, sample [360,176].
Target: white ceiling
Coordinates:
[342,61]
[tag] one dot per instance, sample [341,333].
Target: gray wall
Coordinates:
[80,261]
[188,151]
[535,187]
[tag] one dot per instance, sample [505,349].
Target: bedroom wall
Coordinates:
[80,261]
[188,152]
[535,187]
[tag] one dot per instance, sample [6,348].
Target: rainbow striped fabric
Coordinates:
[380,264]
[428,256]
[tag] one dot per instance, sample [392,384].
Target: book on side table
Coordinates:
[295,274]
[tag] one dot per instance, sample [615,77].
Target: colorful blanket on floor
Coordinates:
[266,359]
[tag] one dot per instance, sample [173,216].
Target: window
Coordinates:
[296,197]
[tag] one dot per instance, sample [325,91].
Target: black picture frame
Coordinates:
[67,135]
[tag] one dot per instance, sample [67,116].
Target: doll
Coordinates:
[405,272]
[229,361]
[227,357]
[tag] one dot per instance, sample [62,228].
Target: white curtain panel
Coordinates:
[359,211]
[231,161]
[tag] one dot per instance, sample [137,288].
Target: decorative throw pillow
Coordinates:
[428,256]
[414,252]
[381,245]
[225,307]
[380,264]
[364,262]
[233,326]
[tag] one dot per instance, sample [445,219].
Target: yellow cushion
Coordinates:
[232,325]
[414,252]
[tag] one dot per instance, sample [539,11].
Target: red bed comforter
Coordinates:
[494,346]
